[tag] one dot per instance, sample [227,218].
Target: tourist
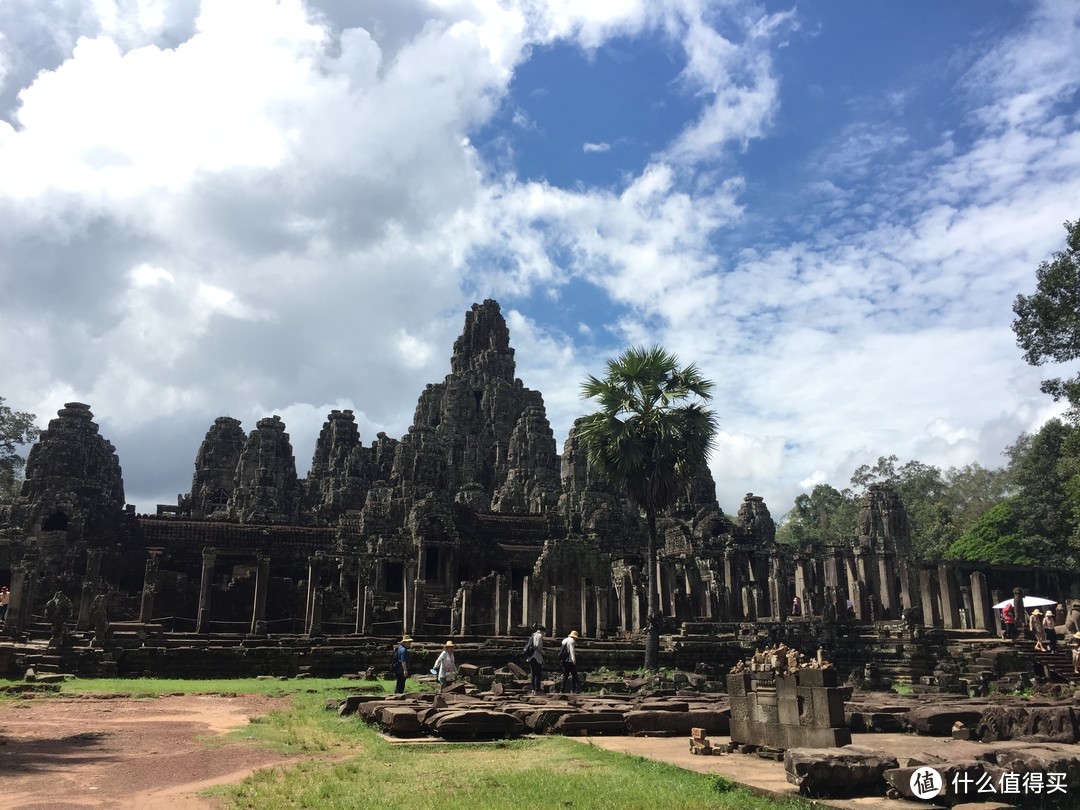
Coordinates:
[4,599]
[1008,621]
[1035,625]
[568,657]
[1050,630]
[1074,642]
[401,664]
[796,607]
[535,656]
[445,666]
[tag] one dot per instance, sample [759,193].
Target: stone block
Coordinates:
[738,684]
[818,677]
[847,771]
[939,720]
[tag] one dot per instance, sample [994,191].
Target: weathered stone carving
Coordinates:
[215,470]
[266,489]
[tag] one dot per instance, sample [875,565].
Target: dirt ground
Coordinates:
[124,753]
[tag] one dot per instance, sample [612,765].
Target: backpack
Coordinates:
[395,664]
[564,652]
[528,649]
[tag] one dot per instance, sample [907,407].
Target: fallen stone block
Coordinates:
[644,723]
[475,724]
[591,723]
[399,720]
[847,771]
[939,720]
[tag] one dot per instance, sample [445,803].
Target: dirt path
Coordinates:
[119,752]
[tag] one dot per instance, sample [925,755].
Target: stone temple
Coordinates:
[472,524]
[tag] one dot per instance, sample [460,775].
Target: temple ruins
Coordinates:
[471,525]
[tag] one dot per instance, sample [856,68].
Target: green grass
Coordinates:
[351,766]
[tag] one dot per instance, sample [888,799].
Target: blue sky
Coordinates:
[249,207]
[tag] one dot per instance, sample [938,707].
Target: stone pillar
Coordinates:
[408,587]
[622,593]
[466,606]
[359,627]
[209,557]
[802,586]
[981,614]
[262,584]
[860,582]
[638,608]
[315,625]
[418,608]
[369,610]
[731,582]
[969,607]
[314,587]
[312,573]
[497,607]
[89,587]
[554,607]
[903,570]
[513,602]
[930,615]
[150,587]
[778,595]
[586,601]
[13,624]
[950,610]
[598,596]
[887,589]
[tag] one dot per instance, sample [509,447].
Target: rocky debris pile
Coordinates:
[1022,774]
[779,659]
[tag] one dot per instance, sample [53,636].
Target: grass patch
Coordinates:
[548,772]
[353,767]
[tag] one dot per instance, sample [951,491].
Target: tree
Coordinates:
[995,538]
[649,437]
[825,515]
[1047,324]
[16,429]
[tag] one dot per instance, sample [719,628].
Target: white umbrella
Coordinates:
[1029,602]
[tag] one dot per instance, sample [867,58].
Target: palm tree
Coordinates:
[649,437]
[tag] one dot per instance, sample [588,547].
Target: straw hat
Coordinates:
[405,640]
[573,634]
[449,644]
[1036,612]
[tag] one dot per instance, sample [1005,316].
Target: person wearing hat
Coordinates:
[1050,630]
[401,663]
[568,656]
[1036,626]
[445,667]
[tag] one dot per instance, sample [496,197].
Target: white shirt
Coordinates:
[569,643]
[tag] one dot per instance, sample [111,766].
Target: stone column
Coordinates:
[90,586]
[418,608]
[802,586]
[598,595]
[13,624]
[150,587]
[887,591]
[586,599]
[359,628]
[262,583]
[903,570]
[638,608]
[554,606]
[499,606]
[202,622]
[862,574]
[969,607]
[731,582]
[314,586]
[926,596]
[513,603]
[466,606]
[369,610]
[778,595]
[315,625]
[982,617]
[950,610]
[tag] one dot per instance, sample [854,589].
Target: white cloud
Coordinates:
[595,147]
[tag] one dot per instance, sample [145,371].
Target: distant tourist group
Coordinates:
[445,668]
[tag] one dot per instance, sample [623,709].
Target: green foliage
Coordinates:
[17,429]
[941,506]
[649,438]
[994,538]
[1047,324]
